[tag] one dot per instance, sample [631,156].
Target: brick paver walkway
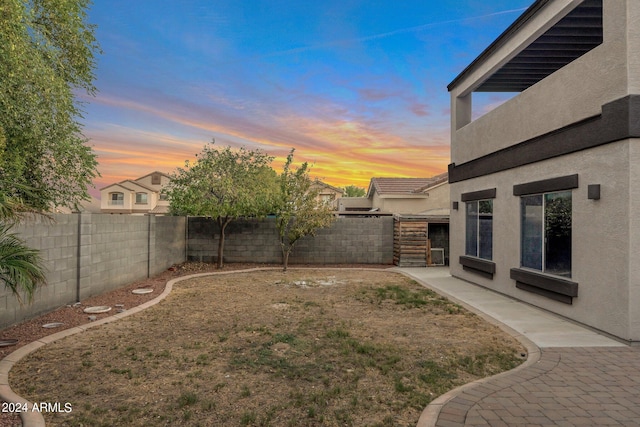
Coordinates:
[578,386]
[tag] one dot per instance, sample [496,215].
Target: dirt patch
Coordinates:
[307,347]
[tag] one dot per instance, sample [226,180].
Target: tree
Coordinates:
[353,191]
[21,268]
[224,184]
[46,55]
[300,212]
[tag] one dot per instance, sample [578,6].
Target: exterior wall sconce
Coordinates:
[454,205]
[593,191]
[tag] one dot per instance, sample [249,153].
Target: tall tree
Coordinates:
[354,191]
[46,56]
[300,212]
[224,184]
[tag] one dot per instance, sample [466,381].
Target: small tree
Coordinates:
[353,191]
[300,212]
[224,184]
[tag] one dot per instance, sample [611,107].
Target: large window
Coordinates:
[141,198]
[479,229]
[546,232]
[116,199]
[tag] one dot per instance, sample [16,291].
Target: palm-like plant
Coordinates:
[21,268]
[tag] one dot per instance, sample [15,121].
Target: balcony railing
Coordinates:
[116,203]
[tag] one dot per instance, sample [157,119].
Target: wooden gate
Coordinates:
[410,244]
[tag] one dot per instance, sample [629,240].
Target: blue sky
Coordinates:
[358,88]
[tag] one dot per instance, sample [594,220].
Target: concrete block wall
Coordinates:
[347,241]
[57,240]
[90,254]
[168,242]
[114,251]
[249,240]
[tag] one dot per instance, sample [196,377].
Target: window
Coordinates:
[546,232]
[163,197]
[479,229]
[141,198]
[116,198]
[156,179]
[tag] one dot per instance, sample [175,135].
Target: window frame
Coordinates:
[479,237]
[473,263]
[116,198]
[548,285]
[545,246]
[139,198]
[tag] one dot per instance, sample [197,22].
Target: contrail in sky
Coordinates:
[388,34]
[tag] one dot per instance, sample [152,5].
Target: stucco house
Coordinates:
[138,196]
[428,196]
[328,193]
[545,188]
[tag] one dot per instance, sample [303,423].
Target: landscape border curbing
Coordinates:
[430,414]
[428,418]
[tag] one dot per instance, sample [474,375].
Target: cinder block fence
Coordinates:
[347,241]
[89,254]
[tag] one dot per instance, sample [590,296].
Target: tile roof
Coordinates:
[160,209]
[386,186]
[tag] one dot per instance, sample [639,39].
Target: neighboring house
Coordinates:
[545,188]
[139,196]
[328,193]
[403,196]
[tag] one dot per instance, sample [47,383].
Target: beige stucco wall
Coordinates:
[606,232]
[438,197]
[576,91]
[600,237]
[129,190]
[105,198]
[633,46]
[402,205]
[633,246]
[146,181]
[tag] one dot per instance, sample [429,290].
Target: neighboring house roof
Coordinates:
[436,181]
[130,183]
[403,186]
[160,209]
[153,173]
[331,187]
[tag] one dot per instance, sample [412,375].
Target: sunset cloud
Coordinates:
[358,90]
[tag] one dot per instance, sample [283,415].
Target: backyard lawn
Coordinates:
[302,348]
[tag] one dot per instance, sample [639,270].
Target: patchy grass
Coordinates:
[312,348]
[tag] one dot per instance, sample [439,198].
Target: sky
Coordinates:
[357,87]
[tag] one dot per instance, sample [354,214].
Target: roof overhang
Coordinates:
[575,34]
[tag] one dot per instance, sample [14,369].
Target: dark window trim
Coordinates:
[556,288]
[479,195]
[546,185]
[618,121]
[479,266]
